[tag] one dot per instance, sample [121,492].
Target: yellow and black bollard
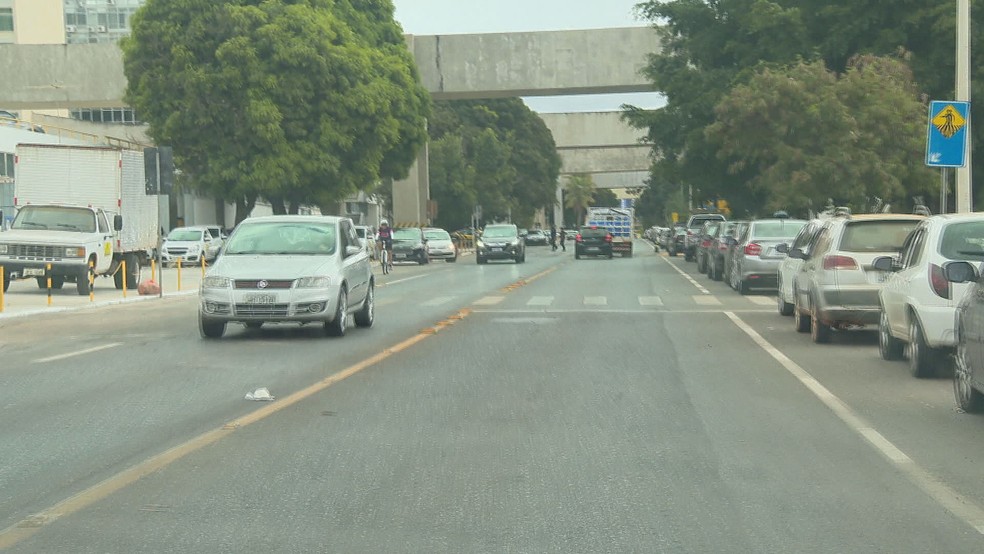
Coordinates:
[123,269]
[179,273]
[203,267]
[91,277]
[47,274]
[3,278]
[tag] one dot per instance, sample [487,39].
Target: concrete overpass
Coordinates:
[451,67]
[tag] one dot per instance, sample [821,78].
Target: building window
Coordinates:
[6,165]
[107,115]
[6,19]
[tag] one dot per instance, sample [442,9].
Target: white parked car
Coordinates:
[190,244]
[299,269]
[368,237]
[439,245]
[918,303]
[790,266]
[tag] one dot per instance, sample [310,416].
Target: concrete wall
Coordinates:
[451,67]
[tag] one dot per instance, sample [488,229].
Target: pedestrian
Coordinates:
[553,237]
[563,239]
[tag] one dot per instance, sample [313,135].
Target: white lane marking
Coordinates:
[650,301]
[489,300]
[762,300]
[540,301]
[438,301]
[648,312]
[957,504]
[687,277]
[595,301]
[78,353]
[706,300]
[404,280]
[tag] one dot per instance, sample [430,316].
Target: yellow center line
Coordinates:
[29,526]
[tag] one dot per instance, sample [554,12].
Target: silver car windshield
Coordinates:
[437,235]
[284,238]
[499,232]
[876,236]
[185,234]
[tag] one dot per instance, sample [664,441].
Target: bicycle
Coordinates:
[384,257]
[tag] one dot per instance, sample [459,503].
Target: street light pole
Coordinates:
[965,199]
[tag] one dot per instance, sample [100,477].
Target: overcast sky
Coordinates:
[445,17]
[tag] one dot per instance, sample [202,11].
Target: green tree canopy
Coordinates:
[297,101]
[579,194]
[496,153]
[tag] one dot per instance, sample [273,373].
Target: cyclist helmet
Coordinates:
[384,222]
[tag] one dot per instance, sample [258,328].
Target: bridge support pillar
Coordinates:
[411,196]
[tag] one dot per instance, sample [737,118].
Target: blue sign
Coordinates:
[946,141]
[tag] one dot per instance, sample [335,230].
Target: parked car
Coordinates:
[837,286]
[439,245]
[298,269]
[731,249]
[409,245]
[677,241]
[790,266]
[707,234]
[536,237]
[694,224]
[190,244]
[918,303]
[368,237]
[592,240]
[718,250]
[500,242]
[968,371]
[757,255]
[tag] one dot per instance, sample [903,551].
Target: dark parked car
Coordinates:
[718,250]
[706,236]
[694,225]
[409,245]
[677,241]
[593,241]
[968,371]
[500,242]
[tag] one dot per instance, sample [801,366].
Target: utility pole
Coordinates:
[965,198]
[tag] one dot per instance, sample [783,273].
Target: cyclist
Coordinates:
[384,236]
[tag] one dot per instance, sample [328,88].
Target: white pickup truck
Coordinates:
[79,206]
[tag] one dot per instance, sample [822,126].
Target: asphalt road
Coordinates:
[624,405]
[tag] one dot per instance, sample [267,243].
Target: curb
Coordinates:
[94,305]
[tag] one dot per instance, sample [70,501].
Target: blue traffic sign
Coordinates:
[946,141]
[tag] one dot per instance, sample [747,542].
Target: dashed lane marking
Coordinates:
[540,301]
[706,300]
[595,301]
[77,353]
[762,300]
[489,300]
[687,277]
[650,301]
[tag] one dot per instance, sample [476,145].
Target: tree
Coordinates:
[296,101]
[579,193]
[503,157]
[808,134]
[605,198]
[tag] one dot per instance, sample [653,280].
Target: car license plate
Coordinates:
[33,272]
[261,298]
[496,249]
[399,256]
[592,249]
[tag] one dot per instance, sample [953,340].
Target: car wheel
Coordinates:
[479,260]
[452,260]
[82,282]
[577,255]
[819,331]
[889,347]
[968,398]
[742,287]
[800,321]
[922,358]
[210,329]
[336,327]
[717,272]
[701,266]
[785,308]
[6,281]
[367,314]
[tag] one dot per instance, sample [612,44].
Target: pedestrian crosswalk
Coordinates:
[699,301]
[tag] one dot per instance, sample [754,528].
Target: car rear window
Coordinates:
[876,236]
[588,232]
[963,241]
[776,229]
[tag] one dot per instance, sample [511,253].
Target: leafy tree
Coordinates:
[605,198]
[504,159]
[297,101]
[809,135]
[579,193]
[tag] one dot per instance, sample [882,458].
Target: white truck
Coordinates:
[76,206]
[619,222]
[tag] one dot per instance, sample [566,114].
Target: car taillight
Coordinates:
[577,238]
[608,237]
[753,249]
[938,281]
[834,261]
[723,246]
[705,244]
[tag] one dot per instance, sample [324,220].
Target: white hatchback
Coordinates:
[918,303]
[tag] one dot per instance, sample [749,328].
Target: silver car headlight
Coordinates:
[3,248]
[313,282]
[480,244]
[214,282]
[74,252]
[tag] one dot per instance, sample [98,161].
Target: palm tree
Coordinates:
[579,193]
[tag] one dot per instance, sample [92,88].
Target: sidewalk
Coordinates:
[24,298]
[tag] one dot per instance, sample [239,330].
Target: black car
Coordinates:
[500,242]
[676,241]
[593,241]
[409,245]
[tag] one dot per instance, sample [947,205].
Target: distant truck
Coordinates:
[76,205]
[620,222]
